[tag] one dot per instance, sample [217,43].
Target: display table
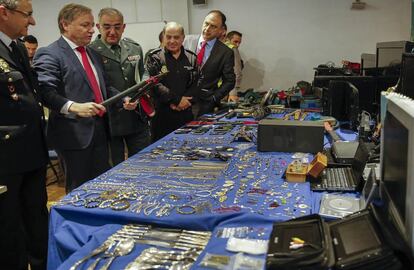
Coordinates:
[191,181]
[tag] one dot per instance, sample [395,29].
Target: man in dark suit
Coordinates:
[216,61]
[23,151]
[71,81]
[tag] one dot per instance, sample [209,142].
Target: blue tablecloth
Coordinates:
[76,230]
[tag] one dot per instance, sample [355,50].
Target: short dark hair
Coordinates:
[233,33]
[221,14]
[70,12]
[30,39]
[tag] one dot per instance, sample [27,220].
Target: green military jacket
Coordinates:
[122,73]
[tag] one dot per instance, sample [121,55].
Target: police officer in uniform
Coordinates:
[23,151]
[124,67]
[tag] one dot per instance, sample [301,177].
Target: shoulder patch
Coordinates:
[4,66]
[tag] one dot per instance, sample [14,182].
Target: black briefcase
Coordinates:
[354,242]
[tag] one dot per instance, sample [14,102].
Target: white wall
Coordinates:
[143,24]
[284,39]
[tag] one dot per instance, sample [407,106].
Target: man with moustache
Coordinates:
[174,94]
[23,151]
[124,66]
[71,81]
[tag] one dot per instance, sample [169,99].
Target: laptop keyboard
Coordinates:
[336,179]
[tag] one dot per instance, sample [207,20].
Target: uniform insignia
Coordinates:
[134,57]
[11,87]
[4,66]
[105,61]
[164,69]
[14,96]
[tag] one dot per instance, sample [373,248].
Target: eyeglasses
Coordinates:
[117,27]
[24,13]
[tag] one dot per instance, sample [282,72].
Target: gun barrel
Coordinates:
[138,89]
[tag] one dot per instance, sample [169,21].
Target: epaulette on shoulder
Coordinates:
[155,51]
[130,41]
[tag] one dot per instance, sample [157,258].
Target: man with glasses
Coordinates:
[72,84]
[216,62]
[23,151]
[123,64]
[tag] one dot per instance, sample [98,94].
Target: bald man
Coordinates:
[174,95]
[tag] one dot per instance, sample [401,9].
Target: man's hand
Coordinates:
[233,99]
[184,103]
[88,109]
[129,106]
[174,107]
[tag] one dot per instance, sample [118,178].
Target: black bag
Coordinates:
[316,253]
[354,242]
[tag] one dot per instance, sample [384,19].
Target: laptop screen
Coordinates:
[369,189]
[360,160]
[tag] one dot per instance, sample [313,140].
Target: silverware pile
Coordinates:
[178,249]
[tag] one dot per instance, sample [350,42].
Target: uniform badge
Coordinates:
[14,96]
[134,58]
[4,66]
[164,69]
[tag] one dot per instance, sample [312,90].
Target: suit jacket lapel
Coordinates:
[213,51]
[25,68]
[124,52]
[5,54]
[26,64]
[105,51]
[70,54]
[99,70]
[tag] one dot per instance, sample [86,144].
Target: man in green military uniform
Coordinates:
[123,62]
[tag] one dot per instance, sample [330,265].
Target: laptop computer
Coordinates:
[345,179]
[339,206]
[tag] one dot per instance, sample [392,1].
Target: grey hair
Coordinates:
[69,12]
[10,4]
[174,25]
[110,12]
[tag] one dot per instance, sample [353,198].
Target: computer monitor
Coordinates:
[406,84]
[397,159]
[389,53]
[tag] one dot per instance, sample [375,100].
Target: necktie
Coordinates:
[117,50]
[200,54]
[91,76]
[15,54]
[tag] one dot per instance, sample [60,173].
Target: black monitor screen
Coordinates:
[358,236]
[407,75]
[394,164]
